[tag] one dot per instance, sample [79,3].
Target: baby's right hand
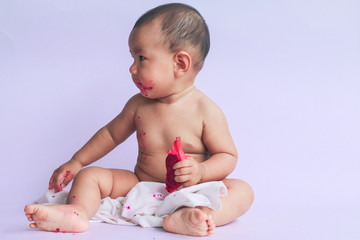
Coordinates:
[63,175]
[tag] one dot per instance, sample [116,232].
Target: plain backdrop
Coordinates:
[285,73]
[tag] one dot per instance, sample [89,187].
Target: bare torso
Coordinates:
[157,126]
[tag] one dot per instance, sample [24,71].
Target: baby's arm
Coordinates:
[218,140]
[104,140]
[219,143]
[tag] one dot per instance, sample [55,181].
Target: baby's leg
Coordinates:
[201,221]
[90,185]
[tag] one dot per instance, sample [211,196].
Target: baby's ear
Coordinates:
[182,63]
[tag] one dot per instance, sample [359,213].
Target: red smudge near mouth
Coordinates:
[175,155]
[57,229]
[143,89]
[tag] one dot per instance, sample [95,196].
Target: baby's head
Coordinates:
[183,28]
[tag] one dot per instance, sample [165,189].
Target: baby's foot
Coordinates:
[56,218]
[189,221]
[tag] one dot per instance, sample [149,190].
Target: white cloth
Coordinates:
[148,203]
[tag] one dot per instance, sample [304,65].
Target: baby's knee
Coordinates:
[89,170]
[242,191]
[91,173]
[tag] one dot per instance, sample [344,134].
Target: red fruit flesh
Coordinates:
[175,155]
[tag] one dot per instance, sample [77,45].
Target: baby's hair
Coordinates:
[182,26]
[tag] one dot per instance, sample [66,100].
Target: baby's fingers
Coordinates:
[182,178]
[58,180]
[52,181]
[182,171]
[186,180]
[182,164]
[66,179]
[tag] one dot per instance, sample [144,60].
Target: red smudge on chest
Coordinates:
[141,135]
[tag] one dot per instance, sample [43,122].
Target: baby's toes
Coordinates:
[33,225]
[211,225]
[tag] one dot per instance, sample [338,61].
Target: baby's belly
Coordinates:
[150,169]
[146,175]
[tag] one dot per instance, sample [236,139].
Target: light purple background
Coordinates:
[286,74]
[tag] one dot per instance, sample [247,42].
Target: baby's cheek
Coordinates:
[147,83]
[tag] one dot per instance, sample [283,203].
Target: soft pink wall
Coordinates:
[286,74]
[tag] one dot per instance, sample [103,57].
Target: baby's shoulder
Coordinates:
[137,100]
[133,104]
[205,103]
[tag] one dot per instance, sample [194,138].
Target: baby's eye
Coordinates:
[141,58]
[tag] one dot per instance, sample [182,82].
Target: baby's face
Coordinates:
[152,70]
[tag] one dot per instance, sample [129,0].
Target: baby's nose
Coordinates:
[133,69]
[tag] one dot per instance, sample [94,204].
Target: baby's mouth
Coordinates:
[143,89]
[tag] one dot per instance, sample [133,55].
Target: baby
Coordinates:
[169,44]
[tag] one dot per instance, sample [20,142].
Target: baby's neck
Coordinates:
[178,96]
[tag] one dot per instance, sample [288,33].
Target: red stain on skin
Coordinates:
[141,138]
[144,85]
[57,229]
[66,174]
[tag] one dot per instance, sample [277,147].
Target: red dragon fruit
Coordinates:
[175,155]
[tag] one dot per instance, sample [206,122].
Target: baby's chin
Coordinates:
[144,93]
[144,90]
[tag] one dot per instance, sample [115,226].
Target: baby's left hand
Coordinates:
[188,171]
